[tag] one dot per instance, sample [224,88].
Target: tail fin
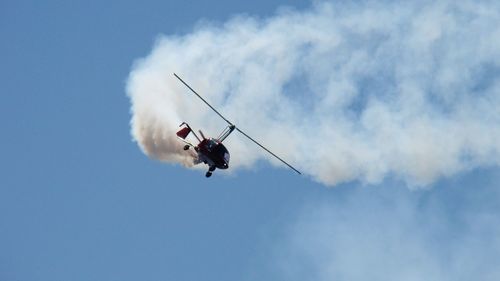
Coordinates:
[184,132]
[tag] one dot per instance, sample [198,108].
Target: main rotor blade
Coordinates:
[202,99]
[231,124]
[257,143]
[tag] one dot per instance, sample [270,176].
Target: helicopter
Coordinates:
[211,151]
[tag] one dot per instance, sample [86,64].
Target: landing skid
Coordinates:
[209,172]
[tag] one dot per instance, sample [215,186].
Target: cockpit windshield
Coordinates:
[211,144]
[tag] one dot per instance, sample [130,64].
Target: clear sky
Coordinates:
[80,201]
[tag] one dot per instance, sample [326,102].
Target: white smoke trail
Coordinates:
[342,91]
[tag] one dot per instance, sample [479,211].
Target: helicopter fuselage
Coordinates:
[213,153]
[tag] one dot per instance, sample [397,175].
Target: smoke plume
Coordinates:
[357,91]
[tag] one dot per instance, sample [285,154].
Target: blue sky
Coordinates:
[80,201]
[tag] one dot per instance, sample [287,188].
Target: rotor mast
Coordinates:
[227,131]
